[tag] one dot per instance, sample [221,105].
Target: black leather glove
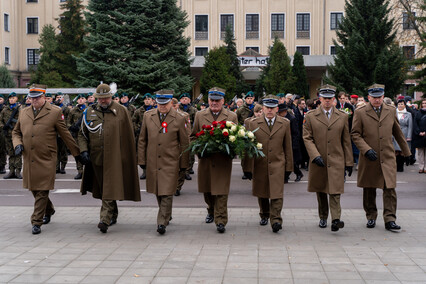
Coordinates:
[84,158]
[371,155]
[182,169]
[249,175]
[19,149]
[73,128]
[143,167]
[6,127]
[349,170]
[319,161]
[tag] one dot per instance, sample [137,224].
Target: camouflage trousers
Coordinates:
[15,161]
[2,151]
[62,154]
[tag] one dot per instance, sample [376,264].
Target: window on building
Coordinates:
[332,50]
[255,48]
[226,20]
[62,1]
[408,52]
[6,22]
[252,26]
[303,25]
[32,25]
[6,55]
[32,57]
[408,22]
[201,51]
[335,19]
[32,1]
[201,27]
[277,25]
[305,50]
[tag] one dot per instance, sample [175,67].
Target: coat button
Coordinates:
[329,129]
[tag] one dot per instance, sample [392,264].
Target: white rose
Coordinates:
[241,133]
[250,135]
[259,146]
[234,128]
[232,138]
[229,123]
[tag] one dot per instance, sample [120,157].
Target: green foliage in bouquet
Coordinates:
[227,138]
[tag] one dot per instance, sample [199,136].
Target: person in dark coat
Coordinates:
[419,136]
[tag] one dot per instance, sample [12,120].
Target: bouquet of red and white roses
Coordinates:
[227,138]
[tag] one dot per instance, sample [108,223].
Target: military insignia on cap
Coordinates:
[327,91]
[376,90]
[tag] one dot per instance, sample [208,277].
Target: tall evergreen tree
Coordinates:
[420,73]
[6,80]
[365,49]
[47,71]
[70,39]
[138,44]
[299,71]
[231,49]
[217,72]
[278,77]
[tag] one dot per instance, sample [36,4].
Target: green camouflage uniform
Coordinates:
[2,145]
[191,111]
[244,112]
[62,154]
[73,125]
[15,162]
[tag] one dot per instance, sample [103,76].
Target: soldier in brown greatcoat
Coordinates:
[214,172]
[106,140]
[328,142]
[162,141]
[268,172]
[373,126]
[35,136]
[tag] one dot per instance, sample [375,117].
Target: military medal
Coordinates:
[164,125]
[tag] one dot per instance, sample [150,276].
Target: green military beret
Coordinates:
[48,95]
[185,95]
[148,95]
[281,95]
[124,95]
[90,94]
[116,95]
[1,96]
[13,94]
[81,96]
[249,94]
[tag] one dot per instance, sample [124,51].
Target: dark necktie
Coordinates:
[270,124]
[328,115]
[377,110]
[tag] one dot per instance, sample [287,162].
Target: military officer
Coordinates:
[49,98]
[373,125]
[116,98]
[183,172]
[124,101]
[90,99]
[137,119]
[328,142]
[8,118]
[164,134]
[214,172]
[185,105]
[268,172]
[246,110]
[35,136]
[2,141]
[106,140]
[74,124]
[62,158]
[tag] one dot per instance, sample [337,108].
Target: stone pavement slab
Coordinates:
[72,250]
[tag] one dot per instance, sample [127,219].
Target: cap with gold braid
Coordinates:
[36,90]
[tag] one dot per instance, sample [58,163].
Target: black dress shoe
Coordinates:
[62,171]
[10,175]
[143,176]
[191,171]
[371,223]
[177,193]
[58,171]
[263,222]
[103,227]
[209,218]
[244,177]
[188,177]
[2,170]
[78,176]
[161,229]
[298,178]
[220,228]
[36,230]
[276,227]
[46,218]
[336,225]
[113,222]
[392,226]
[18,175]
[322,223]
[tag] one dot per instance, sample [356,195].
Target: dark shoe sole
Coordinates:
[336,227]
[276,227]
[103,227]
[221,229]
[161,229]
[36,231]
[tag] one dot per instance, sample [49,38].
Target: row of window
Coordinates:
[32,56]
[303,25]
[32,24]
[36,1]
[408,51]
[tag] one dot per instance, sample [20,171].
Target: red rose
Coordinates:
[214,123]
[222,126]
[208,127]
[201,132]
[197,135]
[226,134]
[204,126]
[211,132]
[222,122]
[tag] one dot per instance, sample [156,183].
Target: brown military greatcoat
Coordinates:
[161,152]
[268,172]
[331,140]
[38,136]
[214,172]
[371,132]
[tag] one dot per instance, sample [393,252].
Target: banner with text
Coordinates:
[250,61]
